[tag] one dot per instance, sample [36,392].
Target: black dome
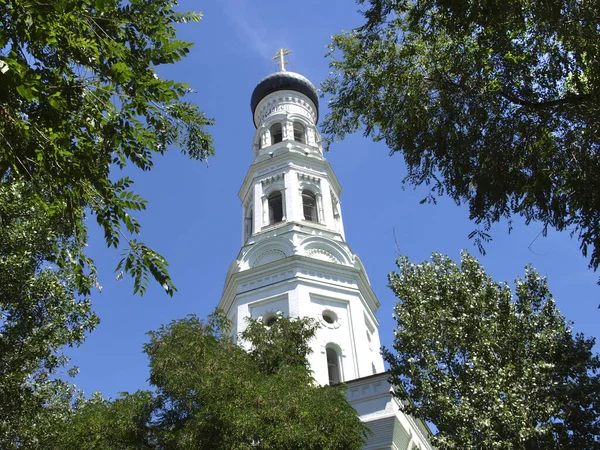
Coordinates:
[283,81]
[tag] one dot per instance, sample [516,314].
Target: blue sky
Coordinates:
[194,217]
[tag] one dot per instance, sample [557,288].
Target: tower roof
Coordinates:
[284,81]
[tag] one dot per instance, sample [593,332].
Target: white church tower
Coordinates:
[295,261]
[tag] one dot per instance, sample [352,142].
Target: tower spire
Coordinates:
[279,58]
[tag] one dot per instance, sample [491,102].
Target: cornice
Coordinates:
[305,269]
[289,160]
[275,102]
[373,386]
[288,229]
[378,386]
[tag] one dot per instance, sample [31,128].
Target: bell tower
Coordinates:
[294,258]
[295,261]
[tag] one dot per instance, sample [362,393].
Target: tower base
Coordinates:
[372,397]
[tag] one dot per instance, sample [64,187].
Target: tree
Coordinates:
[71,421]
[80,101]
[489,370]
[40,311]
[495,104]
[212,394]
[101,424]
[215,395]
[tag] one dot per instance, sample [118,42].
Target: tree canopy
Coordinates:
[39,308]
[489,366]
[80,101]
[495,104]
[210,393]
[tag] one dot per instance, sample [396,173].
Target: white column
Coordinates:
[294,208]
[320,212]
[265,137]
[310,136]
[326,205]
[283,205]
[257,214]
[265,211]
[339,220]
[300,205]
[288,130]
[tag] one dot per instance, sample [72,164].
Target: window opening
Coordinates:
[309,205]
[270,319]
[298,132]
[275,207]
[249,222]
[329,316]
[276,133]
[333,366]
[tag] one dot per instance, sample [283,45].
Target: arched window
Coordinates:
[333,366]
[275,207]
[299,132]
[276,133]
[309,205]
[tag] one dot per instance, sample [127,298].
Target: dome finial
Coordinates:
[279,58]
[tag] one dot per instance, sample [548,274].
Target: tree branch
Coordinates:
[568,100]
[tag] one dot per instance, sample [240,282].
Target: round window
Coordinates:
[329,317]
[269,319]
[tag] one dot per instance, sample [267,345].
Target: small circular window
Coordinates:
[270,318]
[329,317]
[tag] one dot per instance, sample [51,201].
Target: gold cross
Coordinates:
[279,58]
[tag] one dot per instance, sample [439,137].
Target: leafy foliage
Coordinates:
[40,311]
[80,100]
[212,394]
[494,103]
[215,395]
[100,424]
[489,370]
[284,343]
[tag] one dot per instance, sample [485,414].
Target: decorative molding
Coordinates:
[269,279]
[325,276]
[332,326]
[375,388]
[273,179]
[309,178]
[338,250]
[334,197]
[275,109]
[269,300]
[335,346]
[267,257]
[294,102]
[323,255]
